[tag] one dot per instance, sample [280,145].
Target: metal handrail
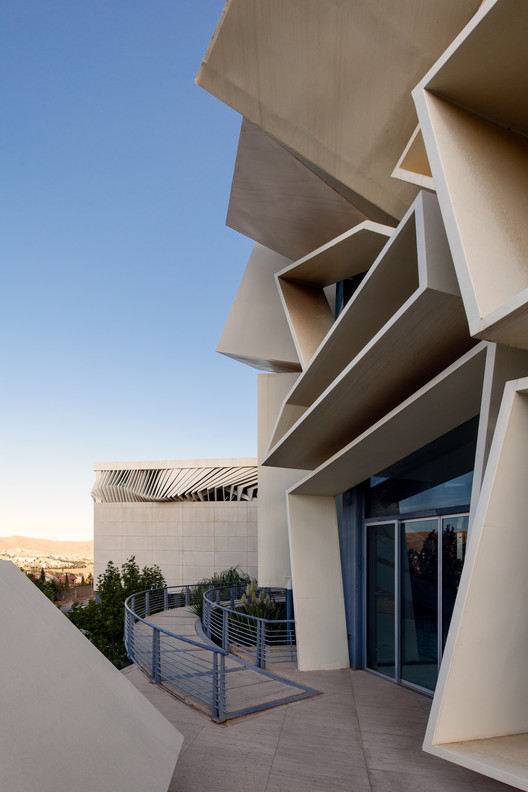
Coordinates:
[262,640]
[195,668]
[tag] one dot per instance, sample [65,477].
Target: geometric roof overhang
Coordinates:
[479,717]
[422,328]
[300,76]
[473,112]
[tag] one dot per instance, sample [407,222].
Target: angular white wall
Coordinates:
[70,720]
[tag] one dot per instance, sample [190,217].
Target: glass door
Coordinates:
[381,598]
[412,574]
[419,602]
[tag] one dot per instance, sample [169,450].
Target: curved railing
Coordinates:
[259,640]
[195,668]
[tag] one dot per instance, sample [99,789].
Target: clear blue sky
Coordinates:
[117,268]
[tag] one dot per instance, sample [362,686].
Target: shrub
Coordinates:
[218,580]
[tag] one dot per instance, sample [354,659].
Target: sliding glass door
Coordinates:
[381,598]
[413,570]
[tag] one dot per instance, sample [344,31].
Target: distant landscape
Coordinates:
[45,546]
[51,558]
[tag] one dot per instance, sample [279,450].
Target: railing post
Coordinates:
[222,691]
[129,635]
[205,616]
[217,595]
[232,598]
[155,665]
[187,595]
[165,599]
[289,615]
[218,690]
[225,630]
[215,703]
[147,604]
[261,645]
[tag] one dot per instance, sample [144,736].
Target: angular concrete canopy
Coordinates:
[479,717]
[70,718]
[423,329]
[302,284]
[473,113]
[278,201]
[256,331]
[450,399]
[297,69]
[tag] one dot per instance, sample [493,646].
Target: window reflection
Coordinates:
[437,476]
[419,625]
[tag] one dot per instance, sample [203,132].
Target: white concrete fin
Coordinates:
[302,285]
[256,331]
[70,718]
[447,401]
[479,717]
[280,202]
[285,69]
[474,119]
[403,325]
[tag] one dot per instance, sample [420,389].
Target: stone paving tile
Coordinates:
[284,780]
[389,781]
[226,758]
[362,735]
[481,783]
[258,734]
[403,753]
[392,721]
[206,778]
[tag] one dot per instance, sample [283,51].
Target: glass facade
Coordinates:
[381,598]
[419,602]
[436,477]
[414,553]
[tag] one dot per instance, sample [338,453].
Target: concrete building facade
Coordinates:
[381,171]
[192,518]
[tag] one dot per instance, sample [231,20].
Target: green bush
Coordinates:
[218,580]
[102,620]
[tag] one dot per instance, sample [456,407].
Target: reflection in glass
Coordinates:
[380,598]
[437,476]
[454,533]
[419,609]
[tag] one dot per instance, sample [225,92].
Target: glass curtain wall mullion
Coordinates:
[397,606]
[439,596]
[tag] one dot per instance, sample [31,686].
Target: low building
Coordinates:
[190,517]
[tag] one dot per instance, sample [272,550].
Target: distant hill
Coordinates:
[45,546]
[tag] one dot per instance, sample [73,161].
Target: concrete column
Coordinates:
[273,547]
[317,583]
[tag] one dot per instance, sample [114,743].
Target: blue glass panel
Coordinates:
[454,533]
[419,604]
[381,598]
[437,476]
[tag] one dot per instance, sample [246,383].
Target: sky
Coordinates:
[117,271]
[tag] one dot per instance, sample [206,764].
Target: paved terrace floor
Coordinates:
[361,734]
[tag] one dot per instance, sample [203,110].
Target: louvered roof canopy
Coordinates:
[179,480]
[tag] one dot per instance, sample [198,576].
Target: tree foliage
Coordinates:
[102,620]
[48,587]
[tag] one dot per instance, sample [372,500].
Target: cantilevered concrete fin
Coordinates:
[70,718]
[256,331]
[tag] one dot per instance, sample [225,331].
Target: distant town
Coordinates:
[56,559]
